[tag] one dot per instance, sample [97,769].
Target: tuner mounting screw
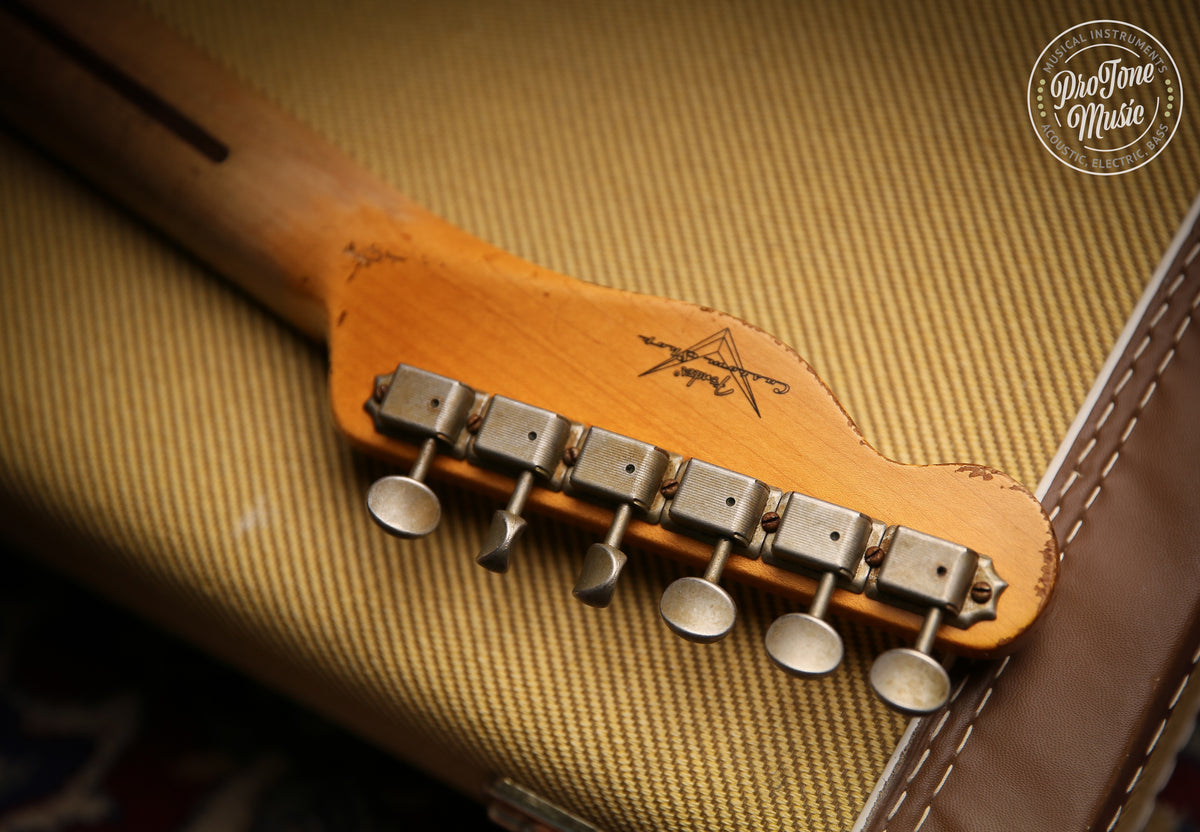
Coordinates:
[381,391]
[669,488]
[770,522]
[874,557]
[474,423]
[570,456]
[981,592]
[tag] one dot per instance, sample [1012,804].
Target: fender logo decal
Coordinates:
[713,361]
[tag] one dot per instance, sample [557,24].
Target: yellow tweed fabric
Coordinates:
[861,181]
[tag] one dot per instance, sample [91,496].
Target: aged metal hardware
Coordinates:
[836,545]
[726,505]
[517,809]
[814,535]
[935,574]
[415,403]
[617,469]
[521,436]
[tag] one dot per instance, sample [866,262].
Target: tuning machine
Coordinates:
[816,537]
[515,435]
[720,503]
[620,470]
[415,402]
[934,575]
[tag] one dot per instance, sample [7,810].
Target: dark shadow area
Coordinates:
[109,724]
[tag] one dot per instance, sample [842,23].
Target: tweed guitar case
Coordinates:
[865,184]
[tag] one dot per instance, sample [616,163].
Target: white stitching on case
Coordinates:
[941,723]
[1162,310]
[945,776]
[966,737]
[1141,347]
[1149,392]
[1183,328]
[1108,466]
[1162,724]
[920,764]
[1151,388]
[1133,780]
[1178,691]
[1128,430]
[1116,392]
[1087,449]
[1067,486]
[1167,358]
[1074,530]
[983,702]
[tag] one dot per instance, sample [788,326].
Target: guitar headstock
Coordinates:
[729,453]
[726,449]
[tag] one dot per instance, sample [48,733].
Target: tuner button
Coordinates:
[507,526]
[910,680]
[503,534]
[804,644]
[597,579]
[603,563]
[698,609]
[405,506]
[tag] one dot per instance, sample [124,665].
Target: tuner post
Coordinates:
[518,436]
[603,562]
[723,504]
[406,506]
[414,402]
[934,574]
[613,468]
[830,540]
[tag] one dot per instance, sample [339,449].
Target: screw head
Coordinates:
[474,423]
[381,391]
[981,592]
[570,456]
[874,557]
[669,488]
[770,522]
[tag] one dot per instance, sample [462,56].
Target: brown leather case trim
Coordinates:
[1057,736]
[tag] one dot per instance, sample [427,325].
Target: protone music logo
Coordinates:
[1105,97]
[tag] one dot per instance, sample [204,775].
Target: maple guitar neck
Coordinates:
[346,258]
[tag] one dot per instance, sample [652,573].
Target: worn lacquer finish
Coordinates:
[343,256]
